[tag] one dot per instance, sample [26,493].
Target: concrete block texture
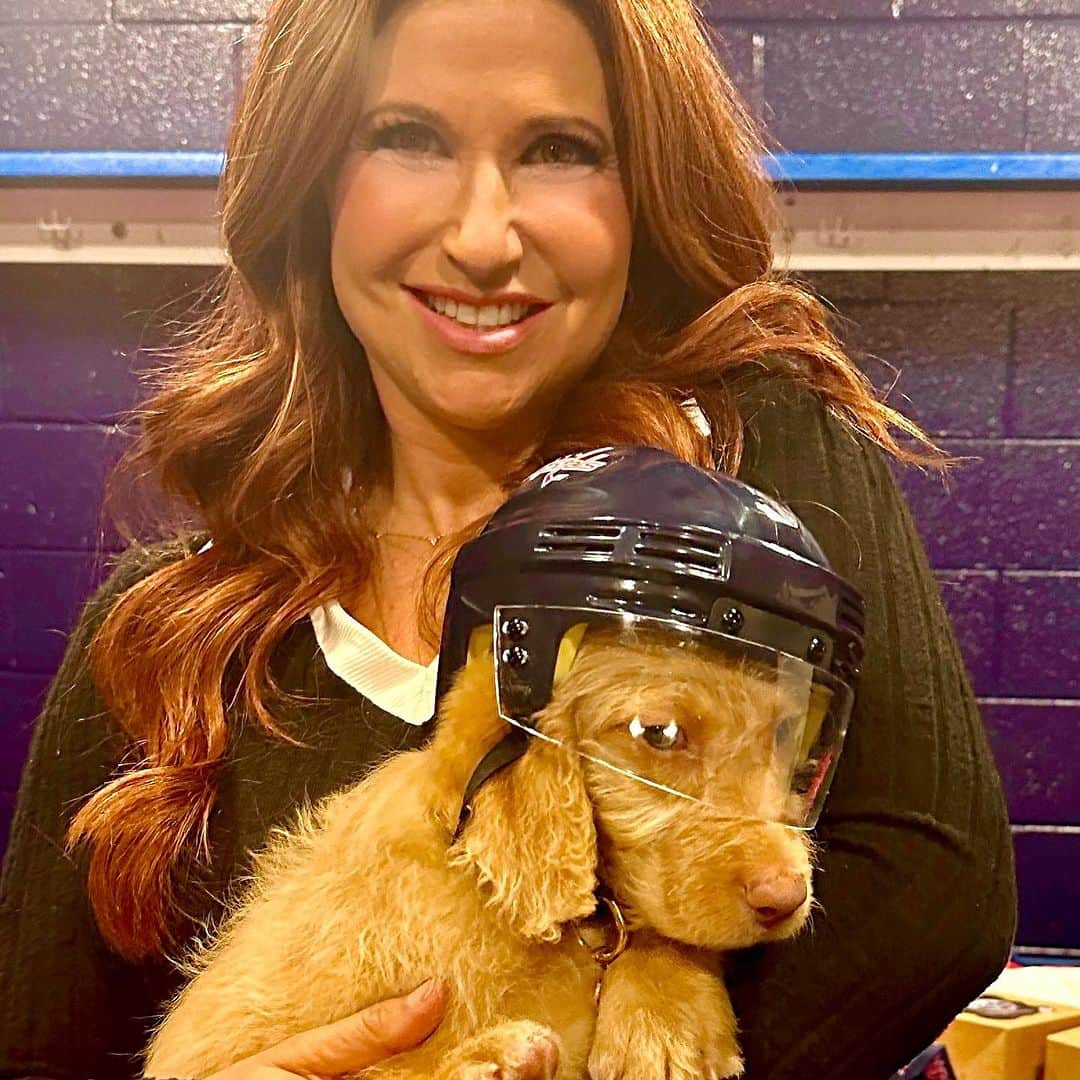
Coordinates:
[825,75]
[1051,61]
[188,10]
[56,91]
[954,86]
[1047,359]
[114,337]
[51,500]
[244,53]
[1011,507]
[133,87]
[1019,631]
[7,616]
[944,365]
[733,44]
[798,9]
[971,599]
[950,9]
[1040,635]
[54,11]
[48,589]
[1059,287]
[838,287]
[1028,737]
[23,695]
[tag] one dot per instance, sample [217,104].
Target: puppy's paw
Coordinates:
[643,1046]
[518,1050]
[663,1014]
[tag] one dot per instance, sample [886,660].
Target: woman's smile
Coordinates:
[477,338]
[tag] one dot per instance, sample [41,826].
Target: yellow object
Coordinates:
[568,650]
[820,699]
[481,644]
[1063,1055]
[981,1048]
[1052,984]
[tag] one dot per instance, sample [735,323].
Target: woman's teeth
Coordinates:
[489,317]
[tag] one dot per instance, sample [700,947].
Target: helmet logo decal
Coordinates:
[561,468]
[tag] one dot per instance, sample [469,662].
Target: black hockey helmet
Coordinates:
[652,551]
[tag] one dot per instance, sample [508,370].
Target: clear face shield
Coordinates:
[745,729]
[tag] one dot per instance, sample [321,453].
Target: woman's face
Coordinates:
[474,195]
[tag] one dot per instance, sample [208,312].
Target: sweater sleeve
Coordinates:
[915,871]
[72,1008]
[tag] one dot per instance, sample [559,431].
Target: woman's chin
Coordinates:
[515,418]
[496,423]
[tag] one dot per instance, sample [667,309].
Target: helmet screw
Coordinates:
[732,620]
[815,651]
[515,656]
[515,628]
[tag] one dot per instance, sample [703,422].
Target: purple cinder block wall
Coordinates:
[826,75]
[906,75]
[989,363]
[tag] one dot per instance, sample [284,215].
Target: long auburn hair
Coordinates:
[265,398]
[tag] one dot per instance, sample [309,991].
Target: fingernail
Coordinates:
[423,992]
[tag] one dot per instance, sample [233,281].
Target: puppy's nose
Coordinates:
[775,897]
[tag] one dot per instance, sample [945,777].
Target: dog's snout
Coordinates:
[775,897]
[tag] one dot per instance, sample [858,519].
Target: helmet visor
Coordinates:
[748,730]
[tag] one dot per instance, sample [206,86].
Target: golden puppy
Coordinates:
[367,896]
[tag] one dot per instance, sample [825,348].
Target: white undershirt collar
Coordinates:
[361,658]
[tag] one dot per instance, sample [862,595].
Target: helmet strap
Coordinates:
[507,750]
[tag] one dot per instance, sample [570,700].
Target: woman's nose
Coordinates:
[774,897]
[485,238]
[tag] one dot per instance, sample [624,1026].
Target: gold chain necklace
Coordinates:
[432,540]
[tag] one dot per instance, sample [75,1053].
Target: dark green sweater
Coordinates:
[916,881]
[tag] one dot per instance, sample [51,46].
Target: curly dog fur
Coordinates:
[365,897]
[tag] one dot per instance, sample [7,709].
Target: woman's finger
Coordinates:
[366,1037]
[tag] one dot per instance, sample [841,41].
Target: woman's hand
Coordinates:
[350,1044]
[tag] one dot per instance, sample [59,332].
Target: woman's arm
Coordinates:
[71,1007]
[916,879]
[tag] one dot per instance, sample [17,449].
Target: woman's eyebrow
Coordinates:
[531,123]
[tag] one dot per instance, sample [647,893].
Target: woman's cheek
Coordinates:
[589,217]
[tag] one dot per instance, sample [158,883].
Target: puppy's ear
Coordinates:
[532,840]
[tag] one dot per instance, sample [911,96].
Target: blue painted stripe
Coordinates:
[69,164]
[923,168]
[793,167]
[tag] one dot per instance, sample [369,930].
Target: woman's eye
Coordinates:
[667,736]
[583,148]
[389,134]
[414,137]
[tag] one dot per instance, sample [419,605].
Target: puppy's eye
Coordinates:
[667,736]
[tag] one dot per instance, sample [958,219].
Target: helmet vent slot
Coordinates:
[587,539]
[697,554]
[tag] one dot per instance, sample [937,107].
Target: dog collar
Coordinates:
[616,933]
